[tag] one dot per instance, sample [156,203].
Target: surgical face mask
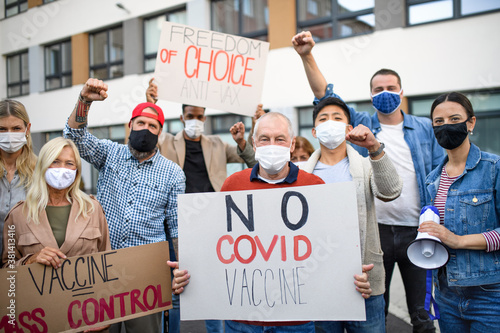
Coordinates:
[10,142]
[60,178]
[331,133]
[194,128]
[386,102]
[272,158]
[451,136]
[143,140]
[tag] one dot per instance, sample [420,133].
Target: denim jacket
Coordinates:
[472,207]
[426,153]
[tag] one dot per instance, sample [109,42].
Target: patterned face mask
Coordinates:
[387,102]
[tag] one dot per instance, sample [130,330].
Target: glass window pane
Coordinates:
[100,132]
[116,44]
[363,106]
[98,48]
[100,74]
[313,9]
[152,31]
[66,81]
[305,117]
[11,11]
[486,134]
[255,15]
[350,6]
[117,133]
[14,91]
[358,25]
[13,66]
[149,65]
[431,11]
[222,124]
[484,102]
[116,71]
[9,2]
[173,126]
[25,89]
[321,31]
[66,57]
[477,6]
[25,74]
[225,16]
[178,17]
[52,83]
[52,55]
[23,6]
[421,107]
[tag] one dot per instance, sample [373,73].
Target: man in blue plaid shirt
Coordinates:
[137,186]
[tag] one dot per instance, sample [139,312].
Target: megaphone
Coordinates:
[427,251]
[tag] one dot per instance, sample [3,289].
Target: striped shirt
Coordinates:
[492,237]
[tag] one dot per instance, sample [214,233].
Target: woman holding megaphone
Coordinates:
[465,188]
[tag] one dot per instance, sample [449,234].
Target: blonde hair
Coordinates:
[25,163]
[38,193]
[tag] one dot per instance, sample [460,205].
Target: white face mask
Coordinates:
[272,158]
[10,142]
[193,128]
[331,133]
[60,178]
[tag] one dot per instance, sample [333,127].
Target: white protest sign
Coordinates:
[210,69]
[285,254]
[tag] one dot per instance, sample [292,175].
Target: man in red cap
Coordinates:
[137,186]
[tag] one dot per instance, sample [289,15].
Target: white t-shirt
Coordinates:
[333,173]
[405,210]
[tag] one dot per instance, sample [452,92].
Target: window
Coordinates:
[486,106]
[331,19]
[221,125]
[106,54]
[18,75]
[247,18]
[58,65]
[152,31]
[14,7]
[173,126]
[424,11]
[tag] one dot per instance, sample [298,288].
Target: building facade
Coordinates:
[49,49]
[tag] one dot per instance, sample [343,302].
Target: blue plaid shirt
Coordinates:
[136,197]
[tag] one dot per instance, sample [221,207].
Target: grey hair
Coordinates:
[274,115]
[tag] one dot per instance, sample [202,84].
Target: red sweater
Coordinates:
[246,180]
[240,181]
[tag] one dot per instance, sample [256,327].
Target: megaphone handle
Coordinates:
[429,299]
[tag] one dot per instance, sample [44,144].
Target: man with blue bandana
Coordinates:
[410,143]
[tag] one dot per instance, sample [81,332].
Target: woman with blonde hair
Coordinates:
[17,159]
[57,219]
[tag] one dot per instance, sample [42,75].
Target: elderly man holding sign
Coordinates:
[273,142]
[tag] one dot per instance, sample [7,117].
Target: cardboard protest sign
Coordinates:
[210,69]
[90,290]
[285,254]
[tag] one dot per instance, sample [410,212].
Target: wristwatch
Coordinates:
[378,151]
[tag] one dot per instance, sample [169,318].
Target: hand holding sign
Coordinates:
[47,256]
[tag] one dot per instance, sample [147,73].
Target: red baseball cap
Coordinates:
[139,111]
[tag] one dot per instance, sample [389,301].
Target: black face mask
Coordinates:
[143,140]
[450,136]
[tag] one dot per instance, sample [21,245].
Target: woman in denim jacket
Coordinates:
[465,188]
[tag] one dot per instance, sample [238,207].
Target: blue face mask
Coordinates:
[386,102]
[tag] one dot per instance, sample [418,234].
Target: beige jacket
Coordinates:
[216,154]
[83,235]
[373,178]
